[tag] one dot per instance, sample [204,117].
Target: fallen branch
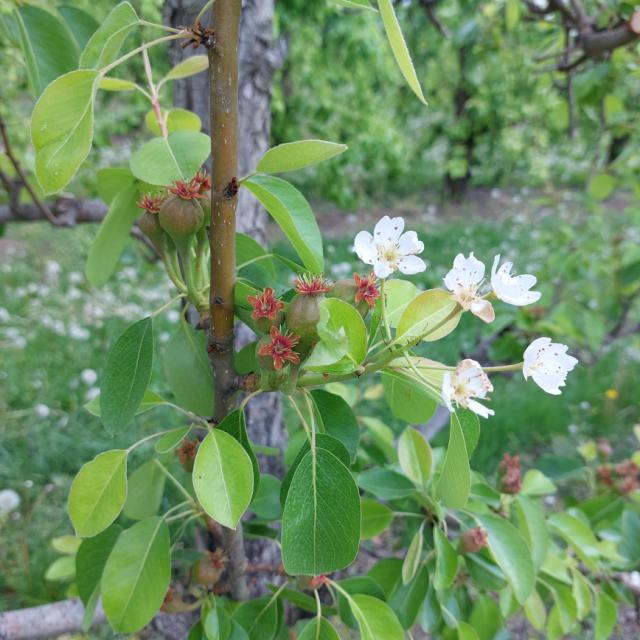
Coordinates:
[68,212]
[46,621]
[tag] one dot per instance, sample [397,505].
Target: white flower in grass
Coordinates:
[464,282]
[9,500]
[389,250]
[464,384]
[548,363]
[513,289]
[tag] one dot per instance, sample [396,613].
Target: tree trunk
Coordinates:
[259,58]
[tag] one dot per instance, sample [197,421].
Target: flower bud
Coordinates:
[510,474]
[186,453]
[208,568]
[472,540]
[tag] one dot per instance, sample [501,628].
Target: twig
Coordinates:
[42,207]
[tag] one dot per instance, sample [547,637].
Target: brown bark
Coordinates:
[259,58]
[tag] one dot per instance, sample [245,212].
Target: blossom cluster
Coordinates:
[391,249]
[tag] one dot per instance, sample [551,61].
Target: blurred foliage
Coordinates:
[494,117]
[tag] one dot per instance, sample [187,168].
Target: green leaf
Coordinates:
[104,45]
[578,534]
[81,23]
[223,478]
[386,484]
[601,186]
[235,425]
[512,14]
[98,492]
[446,560]
[62,128]
[170,440]
[178,157]
[408,598]
[355,4]
[486,618]
[61,570]
[581,592]
[467,632]
[188,67]
[338,420]
[319,629]
[266,501]
[374,518]
[415,457]
[176,120]
[136,576]
[66,544]
[126,375]
[375,618]
[187,370]
[399,47]
[150,400]
[413,557]
[112,237]
[470,425]
[110,181]
[288,207]
[431,316]
[535,483]
[90,560]
[531,522]
[321,519]
[116,84]
[407,397]
[51,46]
[259,618]
[323,441]
[606,616]
[297,155]
[565,606]
[511,553]
[454,485]
[535,611]
[343,338]
[146,487]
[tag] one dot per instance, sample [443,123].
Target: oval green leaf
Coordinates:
[321,519]
[112,236]
[375,618]
[415,457]
[318,629]
[223,478]
[431,316]
[145,489]
[98,493]
[511,553]
[413,558]
[399,47]
[454,485]
[188,67]
[187,370]
[136,575]
[297,155]
[104,45]
[178,157]
[374,518]
[62,128]
[126,375]
[338,420]
[288,207]
[407,397]
[90,560]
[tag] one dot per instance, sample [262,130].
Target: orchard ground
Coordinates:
[55,331]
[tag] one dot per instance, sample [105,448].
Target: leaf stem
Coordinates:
[166,306]
[175,482]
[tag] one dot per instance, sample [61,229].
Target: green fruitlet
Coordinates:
[347,290]
[181,215]
[303,312]
[208,568]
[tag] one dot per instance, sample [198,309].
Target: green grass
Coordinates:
[54,327]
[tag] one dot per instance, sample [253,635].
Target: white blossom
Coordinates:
[512,289]
[464,384]
[464,282]
[9,500]
[42,411]
[548,363]
[88,376]
[389,250]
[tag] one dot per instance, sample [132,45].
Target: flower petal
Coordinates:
[411,264]
[388,230]
[408,244]
[365,247]
[480,409]
[483,309]
[382,269]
